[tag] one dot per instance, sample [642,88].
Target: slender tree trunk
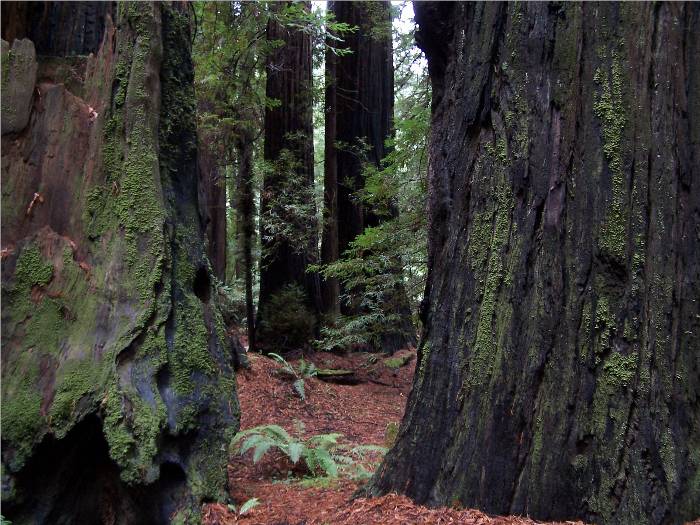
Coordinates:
[363,104]
[212,199]
[118,391]
[289,236]
[245,207]
[330,288]
[559,371]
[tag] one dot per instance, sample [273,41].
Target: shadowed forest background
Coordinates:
[350,262]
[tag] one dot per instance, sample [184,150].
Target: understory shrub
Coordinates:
[286,321]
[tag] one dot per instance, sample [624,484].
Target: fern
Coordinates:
[245,508]
[321,454]
[305,371]
[248,505]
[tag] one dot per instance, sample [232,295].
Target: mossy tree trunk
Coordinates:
[118,392]
[289,231]
[559,370]
[360,110]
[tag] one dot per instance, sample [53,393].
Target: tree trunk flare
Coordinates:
[118,391]
[289,182]
[559,368]
[361,115]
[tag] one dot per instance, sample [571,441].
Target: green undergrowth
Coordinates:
[320,458]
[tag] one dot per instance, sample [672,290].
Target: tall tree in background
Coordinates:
[230,51]
[289,232]
[330,287]
[559,371]
[212,202]
[359,113]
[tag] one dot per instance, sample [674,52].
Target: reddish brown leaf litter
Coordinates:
[361,412]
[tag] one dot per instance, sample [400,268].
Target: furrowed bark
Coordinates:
[118,391]
[289,150]
[559,370]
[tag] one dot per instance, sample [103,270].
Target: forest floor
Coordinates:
[366,413]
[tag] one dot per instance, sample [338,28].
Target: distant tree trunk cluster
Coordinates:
[358,121]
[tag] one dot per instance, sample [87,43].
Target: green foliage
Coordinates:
[397,362]
[287,323]
[304,371]
[249,505]
[231,301]
[393,253]
[290,214]
[390,434]
[314,452]
[321,455]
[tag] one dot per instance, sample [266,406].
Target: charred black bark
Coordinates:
[58,28]
[559,370]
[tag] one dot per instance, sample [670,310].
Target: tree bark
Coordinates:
[212,201]
[330,287]
[361,118]
[559,368]
[245,206]
[118,391]
[289,182]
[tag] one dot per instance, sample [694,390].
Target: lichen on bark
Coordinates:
[562,318]
[101,319]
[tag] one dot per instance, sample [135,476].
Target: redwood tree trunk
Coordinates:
[360,113]
[559,370]
[245,208]
[118,392]
[289,238]
[330,288]
[212,199]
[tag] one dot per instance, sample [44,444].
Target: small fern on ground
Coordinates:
[305,370]
[322,455]
[246,507]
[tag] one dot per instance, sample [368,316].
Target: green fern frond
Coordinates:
[261,449]
[299,388]
[294,451]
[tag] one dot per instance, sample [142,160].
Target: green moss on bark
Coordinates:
[609,107]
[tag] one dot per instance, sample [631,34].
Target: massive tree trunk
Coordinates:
[118,393]
[559,370]
[359,115]
[289,237]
